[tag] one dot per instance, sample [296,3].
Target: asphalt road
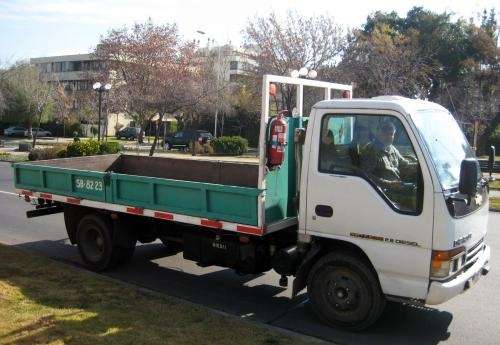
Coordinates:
[471,318]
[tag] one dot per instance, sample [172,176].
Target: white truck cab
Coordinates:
[386,179]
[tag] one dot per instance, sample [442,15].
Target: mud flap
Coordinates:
[300,280]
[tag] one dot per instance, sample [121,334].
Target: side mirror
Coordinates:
[470,173]
[491,159]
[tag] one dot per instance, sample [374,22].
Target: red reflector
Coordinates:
[249,230]
[163,215]
[27,193]
[211,223]
[75,201]
[46,196]
[135,210]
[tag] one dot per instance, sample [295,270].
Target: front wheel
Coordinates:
[345,292]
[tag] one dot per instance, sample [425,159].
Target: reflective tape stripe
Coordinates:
[249,230]
[211,223]
[164,215]
[74,201]
[135,210]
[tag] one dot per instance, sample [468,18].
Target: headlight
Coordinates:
[446,262]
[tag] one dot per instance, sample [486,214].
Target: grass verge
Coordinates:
[495,184]
[13,157]
[495,204]
[45,302]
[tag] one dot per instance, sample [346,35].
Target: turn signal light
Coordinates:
[442,262]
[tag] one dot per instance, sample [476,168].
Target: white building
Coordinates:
[75,72]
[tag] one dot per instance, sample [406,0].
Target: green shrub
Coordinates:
[46,153]
[62,154]
[75,129]
[83,148]
[109,147]
[230,145]
[494,140]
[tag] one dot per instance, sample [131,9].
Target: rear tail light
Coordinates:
[447,262]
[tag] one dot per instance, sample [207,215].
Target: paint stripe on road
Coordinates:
[8,193]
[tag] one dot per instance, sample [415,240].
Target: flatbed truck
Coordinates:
[371,200]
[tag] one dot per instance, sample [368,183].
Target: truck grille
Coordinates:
[473,253]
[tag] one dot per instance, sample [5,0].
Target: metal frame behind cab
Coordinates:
[300,82]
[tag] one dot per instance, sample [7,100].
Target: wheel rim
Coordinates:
[93,244]
[344,293]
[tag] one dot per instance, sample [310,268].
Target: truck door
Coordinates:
[368,184]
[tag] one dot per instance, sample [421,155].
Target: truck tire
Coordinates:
[345,292]
[99,248]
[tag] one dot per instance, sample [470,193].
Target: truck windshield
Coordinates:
[446,143]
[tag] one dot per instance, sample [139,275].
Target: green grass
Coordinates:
[495,184]
[13,158]
[46,302]
[495,203]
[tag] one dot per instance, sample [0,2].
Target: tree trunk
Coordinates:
[155,141]
[37,127]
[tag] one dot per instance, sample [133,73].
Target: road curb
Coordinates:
[153,293]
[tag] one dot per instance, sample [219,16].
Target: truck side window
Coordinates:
[377,148]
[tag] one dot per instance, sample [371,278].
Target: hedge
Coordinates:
[83,148]
[108,147]
[57,151]
[230,145]
[75,149]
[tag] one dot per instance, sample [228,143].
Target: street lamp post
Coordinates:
[216,78]
[100,88]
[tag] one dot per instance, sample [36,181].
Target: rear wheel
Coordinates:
[344,291]
[99,247]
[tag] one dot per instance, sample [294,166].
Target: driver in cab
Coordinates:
[382,161]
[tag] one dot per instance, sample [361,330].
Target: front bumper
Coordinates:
[440,292]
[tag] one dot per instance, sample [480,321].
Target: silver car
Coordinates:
[41,132]
[15,131]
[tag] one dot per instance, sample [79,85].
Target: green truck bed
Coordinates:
[215,190]
[209,189]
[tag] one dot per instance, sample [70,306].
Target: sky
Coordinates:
[35,28]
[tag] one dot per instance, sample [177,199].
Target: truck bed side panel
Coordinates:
[229,203]
[80,184]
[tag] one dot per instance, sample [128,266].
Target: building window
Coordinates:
[233,78]
[233,65]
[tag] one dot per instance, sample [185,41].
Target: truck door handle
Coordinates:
[323,210]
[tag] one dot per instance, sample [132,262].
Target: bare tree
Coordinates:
[278,47]
[161,73]
[63,104]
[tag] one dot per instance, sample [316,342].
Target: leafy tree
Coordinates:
[27,97]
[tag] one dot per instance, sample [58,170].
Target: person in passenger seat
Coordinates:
[327,150]
[362,137]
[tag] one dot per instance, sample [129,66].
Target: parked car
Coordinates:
[41,132]
[15,131]
[183,138]
[128,133]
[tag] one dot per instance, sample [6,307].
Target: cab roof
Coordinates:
[397,103]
